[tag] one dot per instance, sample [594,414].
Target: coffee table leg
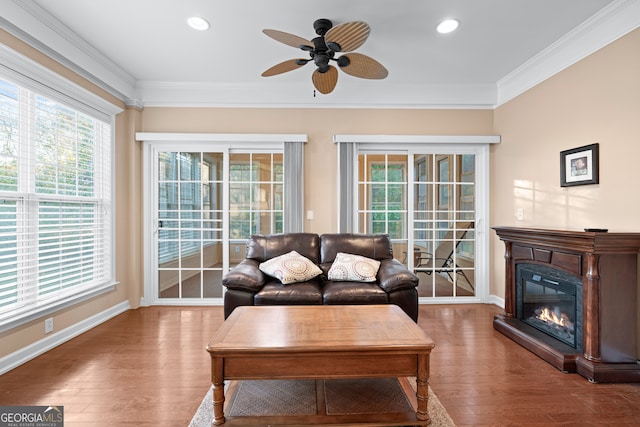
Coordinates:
[218,404]
[217,378]
[422,388]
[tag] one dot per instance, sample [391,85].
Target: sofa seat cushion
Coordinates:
[353,293]
[276,293]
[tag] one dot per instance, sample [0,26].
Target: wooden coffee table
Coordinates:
[320,342]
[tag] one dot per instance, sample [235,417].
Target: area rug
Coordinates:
[298,397]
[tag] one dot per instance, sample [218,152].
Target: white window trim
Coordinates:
[33,76]
[417,139]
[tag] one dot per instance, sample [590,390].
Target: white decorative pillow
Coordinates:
[353,268]
[290,268]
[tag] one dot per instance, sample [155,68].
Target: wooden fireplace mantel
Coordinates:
[607,264]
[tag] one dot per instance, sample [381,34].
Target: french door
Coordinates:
[430,195]
[426,203]
[203,202]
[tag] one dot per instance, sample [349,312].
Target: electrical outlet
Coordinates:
[237,249]
[48,325]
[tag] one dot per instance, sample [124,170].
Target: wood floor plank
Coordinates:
[150,367]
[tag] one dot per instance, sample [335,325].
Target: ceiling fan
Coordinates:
[331,40]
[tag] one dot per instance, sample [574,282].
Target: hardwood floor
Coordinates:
[150,367]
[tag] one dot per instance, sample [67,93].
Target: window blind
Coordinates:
[55,202]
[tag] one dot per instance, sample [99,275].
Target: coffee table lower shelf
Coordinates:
[339,402]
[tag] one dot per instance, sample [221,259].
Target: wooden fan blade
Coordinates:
[364,66]
[349,36]
[325,82]
[288,39]
[283,67]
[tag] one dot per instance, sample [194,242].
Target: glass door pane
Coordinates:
[256,193]
[443,224]
[382,198]
[189,239]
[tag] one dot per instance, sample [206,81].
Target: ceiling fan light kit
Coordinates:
[343,38]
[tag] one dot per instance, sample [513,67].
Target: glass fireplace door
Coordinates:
[551,302]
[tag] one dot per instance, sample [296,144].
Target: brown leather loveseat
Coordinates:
[393,284]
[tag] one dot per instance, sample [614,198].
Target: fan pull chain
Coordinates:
[314,93]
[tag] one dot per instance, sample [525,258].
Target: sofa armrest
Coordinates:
[394,276]
[246,276]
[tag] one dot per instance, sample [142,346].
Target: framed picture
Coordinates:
[579,166]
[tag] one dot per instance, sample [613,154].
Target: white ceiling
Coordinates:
[144,51]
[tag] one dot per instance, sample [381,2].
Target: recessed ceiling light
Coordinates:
[447,26]
[198,23]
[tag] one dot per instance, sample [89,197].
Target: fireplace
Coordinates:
[550,300]
[571,298]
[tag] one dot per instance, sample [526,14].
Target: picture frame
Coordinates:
[579,166]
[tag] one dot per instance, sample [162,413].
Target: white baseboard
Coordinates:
[496,301]
[29,352]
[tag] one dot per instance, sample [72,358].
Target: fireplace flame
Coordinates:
[550,316]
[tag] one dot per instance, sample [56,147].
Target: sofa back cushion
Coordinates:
[262,247]
[374,246]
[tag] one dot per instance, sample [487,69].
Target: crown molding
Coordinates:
[35,26]
[27,21]
[134,103]
[614,21]
[35,76]
[358,94]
